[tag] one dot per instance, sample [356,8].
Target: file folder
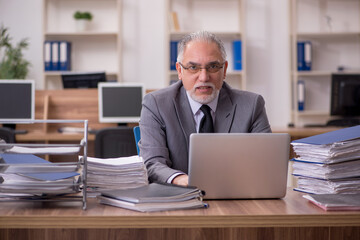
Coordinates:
[55,56]
[237,58]
[340,135]
[47,56]
[173,54]
[65,56]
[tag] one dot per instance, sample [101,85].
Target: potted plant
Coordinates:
[82,20]
[12,63]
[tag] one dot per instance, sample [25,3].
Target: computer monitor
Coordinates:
[120,102]
[345,95]
[345,99]
[82,79]
[17,100]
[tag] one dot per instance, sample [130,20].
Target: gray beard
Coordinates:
[206,99]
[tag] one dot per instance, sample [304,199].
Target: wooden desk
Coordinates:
[290,218]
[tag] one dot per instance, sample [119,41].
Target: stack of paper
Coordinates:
[336,202]
[154,197]
[26,174]
[115,173]
[328,163]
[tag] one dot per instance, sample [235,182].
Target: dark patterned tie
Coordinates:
[206,124]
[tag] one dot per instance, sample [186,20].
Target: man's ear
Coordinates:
[225,68]
[179,70]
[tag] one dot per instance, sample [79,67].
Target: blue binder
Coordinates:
[65,56]
[237,57]
[300,56]
[47,56]
[334,136]
[304,56]
[173,54]
[301,95]
[307,56]
[55,56]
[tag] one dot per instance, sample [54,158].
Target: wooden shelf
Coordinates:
[335,41]
[226,19]
[80,34]
[97,48]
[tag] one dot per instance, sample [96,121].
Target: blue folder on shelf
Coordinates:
[173,54]
[55,56]
[47,56]
[237,58]
[331,137]
[65,56]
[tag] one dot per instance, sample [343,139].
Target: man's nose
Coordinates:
[203,75]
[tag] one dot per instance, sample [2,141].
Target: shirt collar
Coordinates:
[195,106]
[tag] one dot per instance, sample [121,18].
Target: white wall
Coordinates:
[144,45]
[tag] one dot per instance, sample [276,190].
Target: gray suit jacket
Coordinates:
[167,122]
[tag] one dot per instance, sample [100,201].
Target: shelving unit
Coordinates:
[46,190]
[95,49]
[223,18]
[333,27]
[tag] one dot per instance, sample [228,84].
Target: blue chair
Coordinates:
[137,137]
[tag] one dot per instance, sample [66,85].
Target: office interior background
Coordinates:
[144,26]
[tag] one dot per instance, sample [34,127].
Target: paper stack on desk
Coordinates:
[154,197]
[115,173]
[328,163]
[27,174]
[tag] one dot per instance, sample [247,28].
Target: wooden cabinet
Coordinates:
[225,18]
[333,28]
[97,48]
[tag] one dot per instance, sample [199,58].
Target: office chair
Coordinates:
[137,137]
[7,134]
[115,142]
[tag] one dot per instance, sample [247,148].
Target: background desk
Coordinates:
[290,218]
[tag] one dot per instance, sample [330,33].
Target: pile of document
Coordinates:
[328,163]
[26,175]
[115,173]
[154,197]
[335,202]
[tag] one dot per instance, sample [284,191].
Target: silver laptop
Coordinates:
[239,165]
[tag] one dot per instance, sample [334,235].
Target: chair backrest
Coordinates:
[7,134]
[115,142]
[137,137]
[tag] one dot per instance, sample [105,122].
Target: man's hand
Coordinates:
[182,180]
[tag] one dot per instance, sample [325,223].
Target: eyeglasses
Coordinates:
[211,68]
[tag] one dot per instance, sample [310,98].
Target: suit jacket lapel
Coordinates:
[225,112]
[184,113]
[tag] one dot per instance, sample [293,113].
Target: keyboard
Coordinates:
[345,122]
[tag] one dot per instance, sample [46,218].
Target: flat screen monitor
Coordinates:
[345,95]
[17,100]
[82,80]
[120,102]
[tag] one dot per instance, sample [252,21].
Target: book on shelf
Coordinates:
[57,56]
[55,66]
[301,95]
[65,56]
[173,54]
[237,55]
[304,56]
[329,162]
[174,21]
[47,56]
[336,202]
[154,197]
